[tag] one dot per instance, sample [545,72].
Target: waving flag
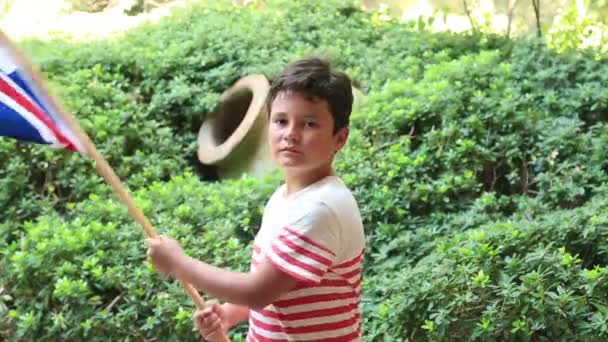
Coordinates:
[27,112]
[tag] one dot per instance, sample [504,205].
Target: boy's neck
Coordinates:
[295,182]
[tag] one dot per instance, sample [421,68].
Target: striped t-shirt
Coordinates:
[316,236]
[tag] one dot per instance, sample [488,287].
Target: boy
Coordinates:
[305,277]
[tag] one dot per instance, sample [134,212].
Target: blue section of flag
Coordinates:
[15,126]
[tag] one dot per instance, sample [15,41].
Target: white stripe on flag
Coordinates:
[21,92]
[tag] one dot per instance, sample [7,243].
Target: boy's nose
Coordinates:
[292,134]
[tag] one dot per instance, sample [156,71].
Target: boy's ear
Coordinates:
[341,136]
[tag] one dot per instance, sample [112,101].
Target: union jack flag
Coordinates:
[27,112]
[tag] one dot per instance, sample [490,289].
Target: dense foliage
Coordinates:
[478,162]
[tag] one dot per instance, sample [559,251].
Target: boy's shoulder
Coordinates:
[328,204]
[330,190]
[333,192]
[329,194]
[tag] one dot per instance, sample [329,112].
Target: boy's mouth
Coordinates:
[290,150]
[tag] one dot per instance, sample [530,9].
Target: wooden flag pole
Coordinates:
[111,178]
[102,166]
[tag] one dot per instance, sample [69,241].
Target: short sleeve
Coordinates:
[306,248]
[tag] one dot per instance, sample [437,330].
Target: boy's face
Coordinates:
[301,133]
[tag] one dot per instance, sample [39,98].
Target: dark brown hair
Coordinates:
[314,77]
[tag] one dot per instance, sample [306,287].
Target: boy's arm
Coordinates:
[303,254]
[254,290]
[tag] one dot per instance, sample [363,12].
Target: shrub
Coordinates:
[478,163]
[508,280]
[85,275]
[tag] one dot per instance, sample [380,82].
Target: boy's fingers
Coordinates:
[215,336]
[207,314]
[201,313]
[212,325]
[206,311]
[152,244]
[207,322]
[214,329]
[210,320]
[217,309]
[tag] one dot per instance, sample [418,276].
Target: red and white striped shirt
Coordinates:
[316,236]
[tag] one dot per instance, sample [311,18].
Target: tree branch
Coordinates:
[510,10]
[536,4]
[468,13]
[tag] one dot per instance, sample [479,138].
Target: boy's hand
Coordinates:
[164,254]
[211,322]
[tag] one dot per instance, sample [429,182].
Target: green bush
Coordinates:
[486,123]
[507,280]
[85,275]
[143,97]
[478,162]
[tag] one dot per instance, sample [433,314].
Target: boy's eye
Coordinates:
[310,124]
